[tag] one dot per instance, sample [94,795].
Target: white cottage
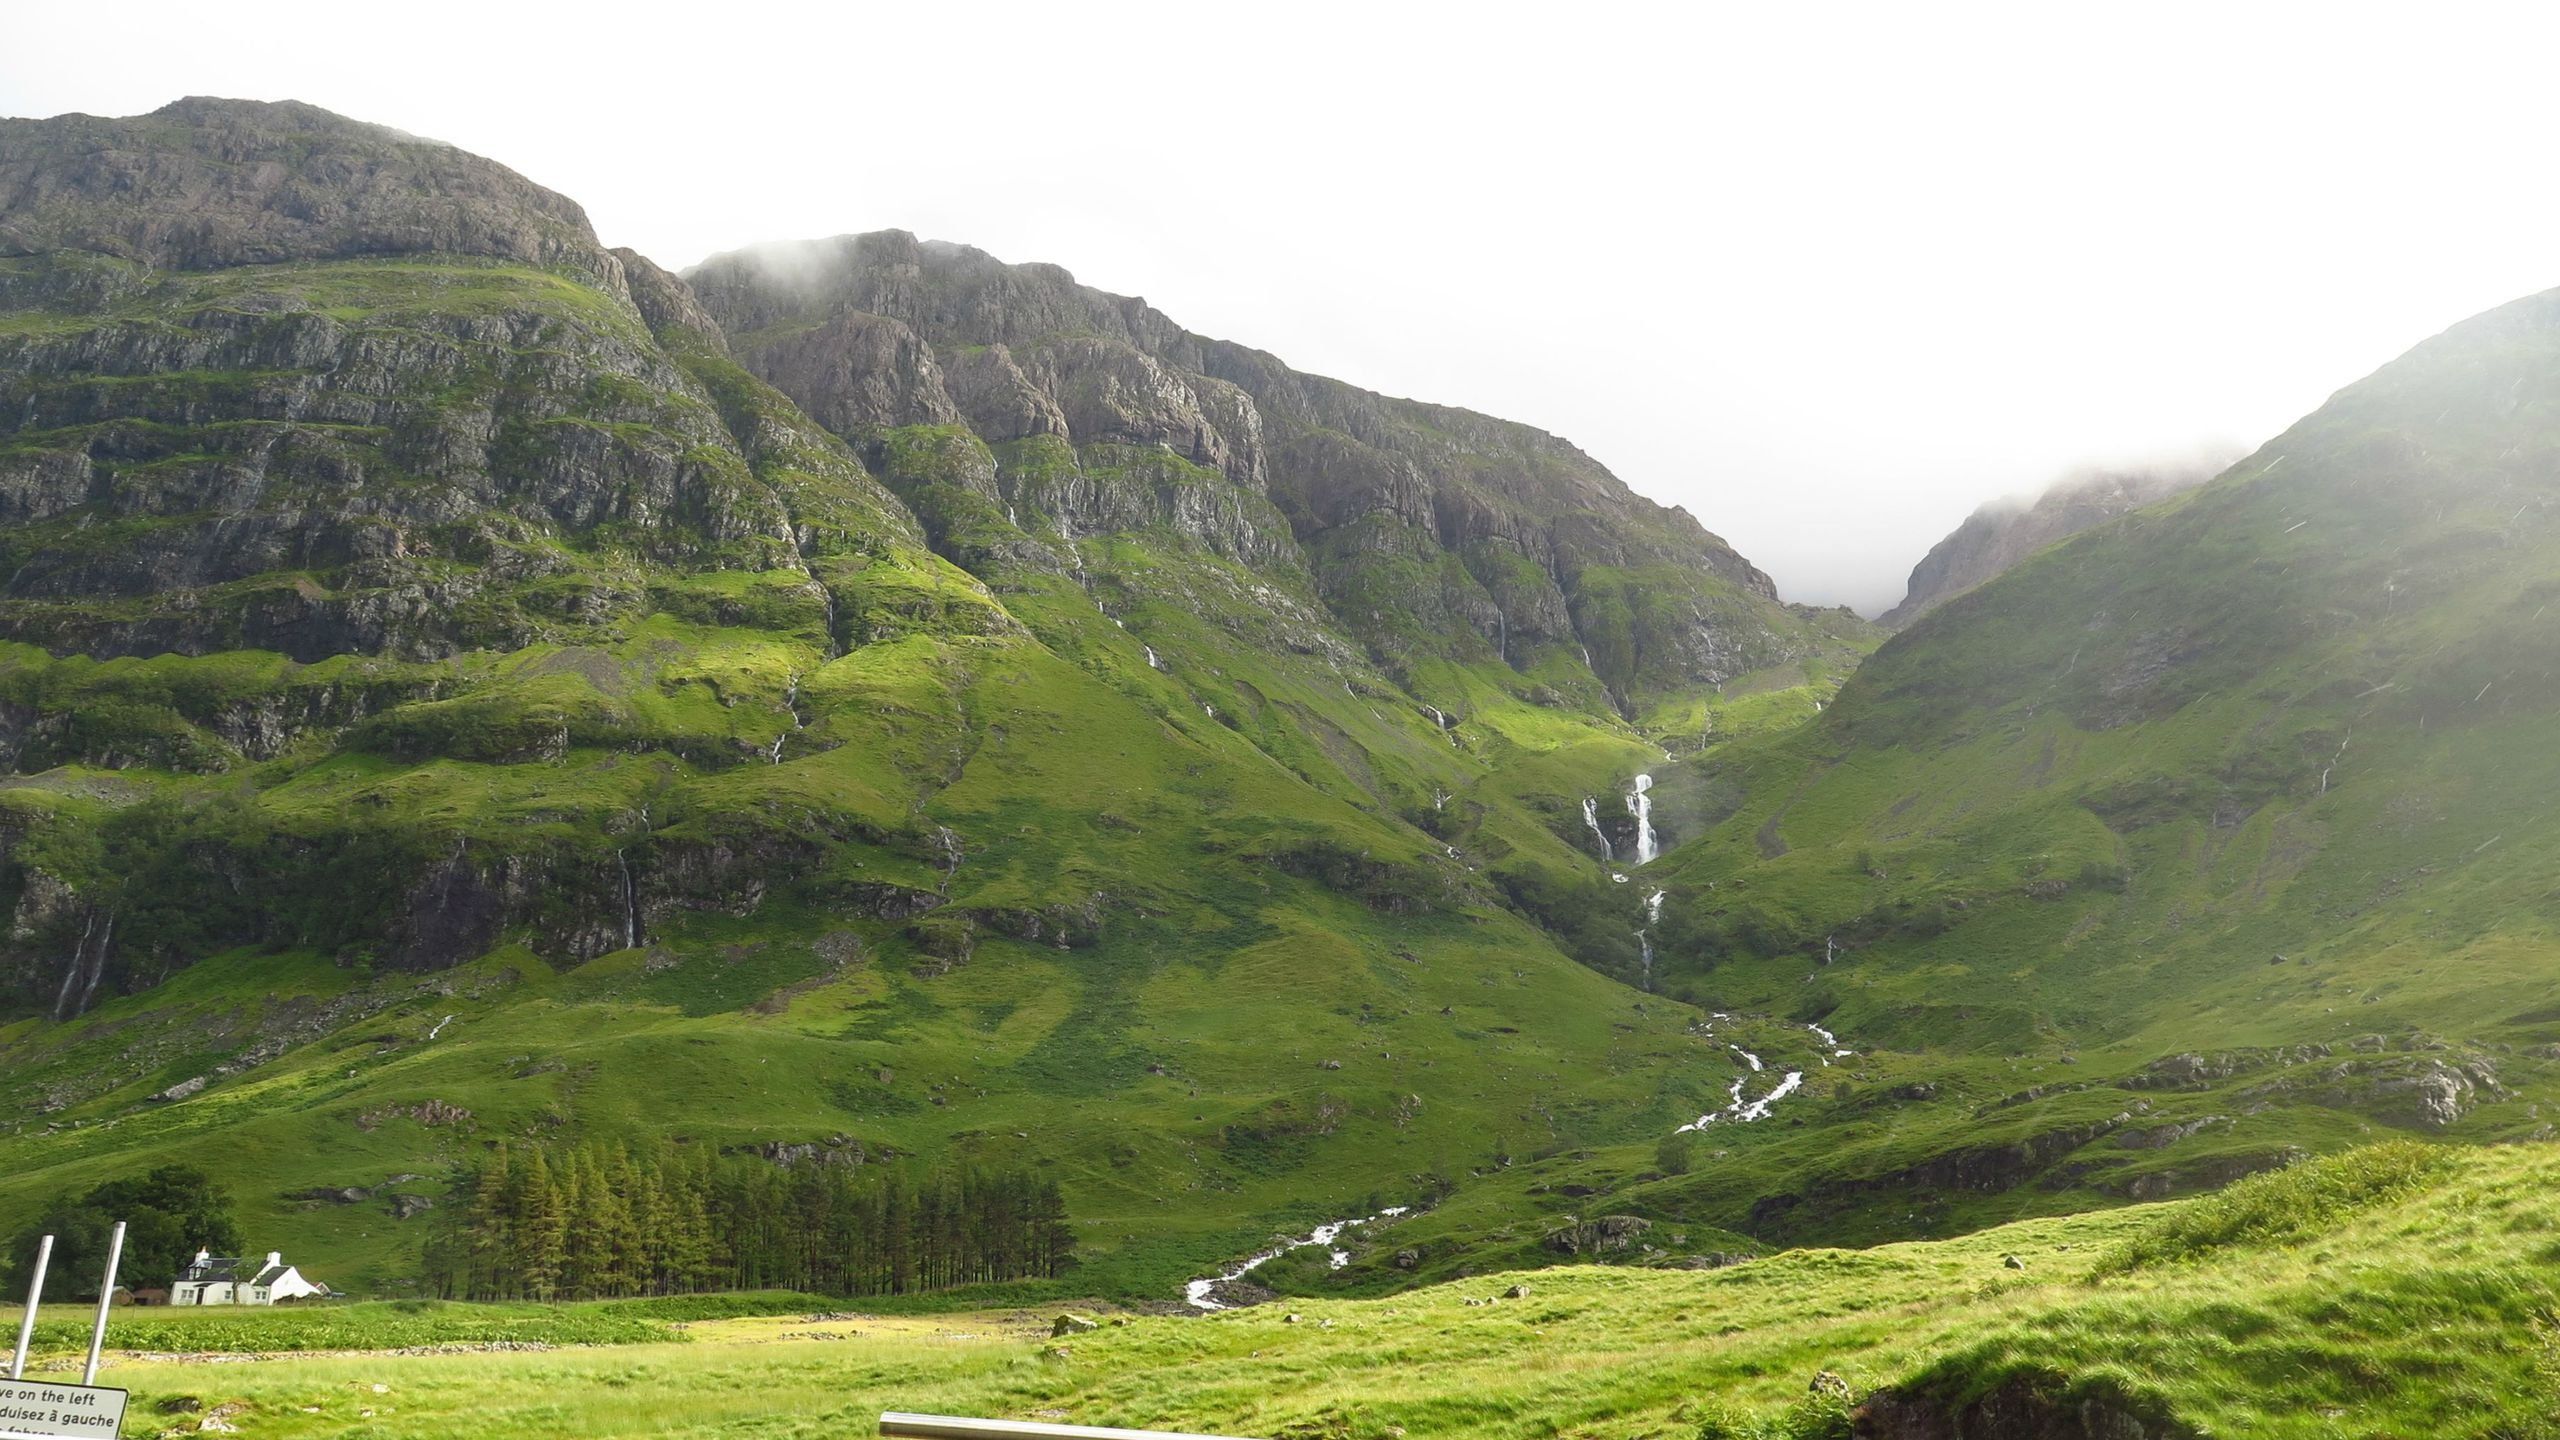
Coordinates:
[225,1280]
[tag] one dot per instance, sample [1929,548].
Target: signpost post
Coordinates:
[27,1322]
[43,1409]
[106,1297]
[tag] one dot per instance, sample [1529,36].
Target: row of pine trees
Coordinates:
[605,1221]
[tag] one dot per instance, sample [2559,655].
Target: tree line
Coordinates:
[169,1214]
[607,1221]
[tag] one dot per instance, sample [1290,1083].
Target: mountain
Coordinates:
[2202,839]
[464,683]
[1435,535]
[864,702]
[2004,532]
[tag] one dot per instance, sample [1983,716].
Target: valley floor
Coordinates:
[2401,1291]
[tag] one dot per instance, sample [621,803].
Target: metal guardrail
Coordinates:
[896,1423]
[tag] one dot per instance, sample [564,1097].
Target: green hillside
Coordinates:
[865,703]
[2206,838]
[447,698]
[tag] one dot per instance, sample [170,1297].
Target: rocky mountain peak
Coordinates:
[206,183]
[2003,532]
[870,332]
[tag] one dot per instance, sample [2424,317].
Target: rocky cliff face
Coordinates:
[204,183]
[330,410]
[1429,530]
[2004,532]
[454,572]
[392,436]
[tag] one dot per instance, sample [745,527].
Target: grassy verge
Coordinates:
[2412,1309]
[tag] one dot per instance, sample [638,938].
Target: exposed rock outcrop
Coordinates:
[1425,527]
[205,183]
[2004,532]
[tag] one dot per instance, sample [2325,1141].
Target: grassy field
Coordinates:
[2397,1291]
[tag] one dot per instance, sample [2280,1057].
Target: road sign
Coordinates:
[42,1410]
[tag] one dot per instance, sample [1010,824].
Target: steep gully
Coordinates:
[1201,1294]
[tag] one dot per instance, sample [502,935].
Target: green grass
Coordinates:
[2410,1313]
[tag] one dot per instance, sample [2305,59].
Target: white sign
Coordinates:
[41,1410]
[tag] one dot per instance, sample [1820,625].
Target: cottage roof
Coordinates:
[216,1267]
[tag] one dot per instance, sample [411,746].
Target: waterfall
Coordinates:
[791,707]
[1644,935]
[1201,1294]
[98,962]
[1152,662]
[630,902]
[71,973]
[88,967]
[1640,802]
[1591,817]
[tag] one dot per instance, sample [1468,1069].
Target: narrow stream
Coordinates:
[1197,1293]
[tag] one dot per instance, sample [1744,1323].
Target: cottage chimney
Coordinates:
[202,1255]
[275,1259]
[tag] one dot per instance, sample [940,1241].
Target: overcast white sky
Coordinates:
[1827,275]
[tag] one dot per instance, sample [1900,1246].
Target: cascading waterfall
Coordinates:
[790,707]
[88,967]
[1152,662]
[1644,936]
[71,972]
[98,962]
[1200,1294]
[630,902]
[631,890]
[1591,817]
[1640,803]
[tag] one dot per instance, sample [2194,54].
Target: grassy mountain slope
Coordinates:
[2208,836]
[450,697]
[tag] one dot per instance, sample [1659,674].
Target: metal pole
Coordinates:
[27,1322]
[960,1427]
[106,1297]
